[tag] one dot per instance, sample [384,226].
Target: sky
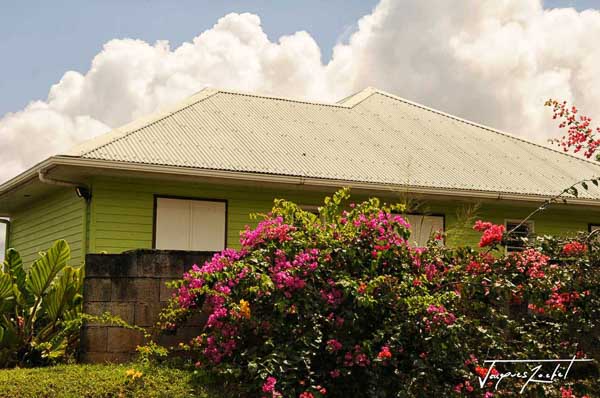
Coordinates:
[45,39]
[71,70]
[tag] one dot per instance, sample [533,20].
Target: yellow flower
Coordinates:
[245,309]
[134,374]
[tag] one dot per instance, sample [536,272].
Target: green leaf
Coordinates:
[62,294]
[13,265]
[6,286]
[44,270]
[573,191]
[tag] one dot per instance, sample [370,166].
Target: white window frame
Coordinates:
[189,199]
[423,215]
[5,232]
[530,232]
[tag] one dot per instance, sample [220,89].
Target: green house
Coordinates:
[188,178]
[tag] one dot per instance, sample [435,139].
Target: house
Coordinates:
[189,177]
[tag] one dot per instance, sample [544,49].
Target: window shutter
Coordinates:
[190,224]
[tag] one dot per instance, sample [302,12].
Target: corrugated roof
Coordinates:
[372,137]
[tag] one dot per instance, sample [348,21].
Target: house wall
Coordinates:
[122,211]
[60,215]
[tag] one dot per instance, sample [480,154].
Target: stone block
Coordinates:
[148,290]
[165,292]
[183,335]
[123,340]
[94,339]
[146,314]
[97,289]
[123,310]
[135,289]
[123,289]
[110,265]
[95,308]
[198,319]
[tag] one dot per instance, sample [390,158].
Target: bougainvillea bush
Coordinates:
[340,304]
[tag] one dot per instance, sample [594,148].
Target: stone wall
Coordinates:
[132,286]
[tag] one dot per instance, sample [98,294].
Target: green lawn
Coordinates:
[98,381]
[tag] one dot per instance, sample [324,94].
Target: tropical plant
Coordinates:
[341,304]
[40,307]
[581,137]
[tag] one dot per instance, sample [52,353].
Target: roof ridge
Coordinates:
[289,99]
[136,125]
[479,125]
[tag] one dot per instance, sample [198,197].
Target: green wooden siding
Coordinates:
[122,211]
[121,214]
[61,215]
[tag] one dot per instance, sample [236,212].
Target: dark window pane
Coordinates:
[515,242]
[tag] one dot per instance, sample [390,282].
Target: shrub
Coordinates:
[339,304]
[39,308]
[99,381]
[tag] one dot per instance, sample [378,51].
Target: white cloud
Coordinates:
[491,61]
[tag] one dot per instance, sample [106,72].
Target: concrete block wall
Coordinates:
[132,286]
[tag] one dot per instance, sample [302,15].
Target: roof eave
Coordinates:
[26,176]
[269,178]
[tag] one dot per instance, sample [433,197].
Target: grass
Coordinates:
[99,381]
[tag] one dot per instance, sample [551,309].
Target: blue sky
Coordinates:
[46,38]
[40,40]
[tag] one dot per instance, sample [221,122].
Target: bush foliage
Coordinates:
[39,308]
[99,381]
[340,304]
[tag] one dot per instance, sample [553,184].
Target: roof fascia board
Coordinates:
[281,179]
[25,176]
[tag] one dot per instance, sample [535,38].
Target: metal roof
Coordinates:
[372,136]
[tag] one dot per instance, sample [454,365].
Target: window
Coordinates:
[3,239]
[514,242]
[185,224]
[421,227]
[310,208]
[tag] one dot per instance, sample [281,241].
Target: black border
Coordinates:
[200,199]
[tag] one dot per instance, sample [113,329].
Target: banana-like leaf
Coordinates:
[44,270]
[62,294]
[6,286]
[13,265]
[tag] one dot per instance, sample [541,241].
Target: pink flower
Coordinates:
[333,345]
[441,315]
[566,392]
[384,353]
[574,249]
[271,229]
[492,233]
[269,385]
